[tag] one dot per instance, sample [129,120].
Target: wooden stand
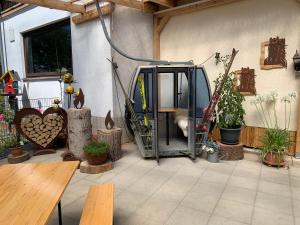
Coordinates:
[113,138]
[44,151]
[231,152]
[94,169]
[18,159]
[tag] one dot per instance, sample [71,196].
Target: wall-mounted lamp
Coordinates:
[296,60]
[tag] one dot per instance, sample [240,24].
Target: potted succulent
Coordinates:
[96,153]
[230,112]
[275,140]
[212,150]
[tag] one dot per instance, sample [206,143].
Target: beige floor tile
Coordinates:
[297,220]
[243,182]
[222,167]
[242,195]
[243,171]
[74,209]
[191,171]
[296,204]
[295,181]
[274,188]
[294,171]
[135,219]
[65,220]
[212,188]
[219,220]
[216,177]
[274,203]
[80,187]
[296,193]
[234,210]
[267,217]
[130,201]
[275,177]
[157,209]
[187,216]
[205,202]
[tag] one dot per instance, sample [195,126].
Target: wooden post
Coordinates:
[113,138]
[158,26]
[297,151]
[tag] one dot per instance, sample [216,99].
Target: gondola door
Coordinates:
[192,112]
[155,114]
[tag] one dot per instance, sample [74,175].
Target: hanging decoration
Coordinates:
[244,81]
[276,57]
[109,123]
[79,99]
[9,83]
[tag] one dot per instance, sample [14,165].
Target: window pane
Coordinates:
[49,48]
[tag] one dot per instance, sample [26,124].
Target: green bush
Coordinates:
[96,148]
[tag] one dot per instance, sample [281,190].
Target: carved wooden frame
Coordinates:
[263,56]
[237,74]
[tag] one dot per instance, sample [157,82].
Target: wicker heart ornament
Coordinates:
[41,129]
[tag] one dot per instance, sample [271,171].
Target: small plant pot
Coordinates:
[213,157]
[96,159]
[16,151]
[274,159]
[230,136]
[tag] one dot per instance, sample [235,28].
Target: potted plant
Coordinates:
[230,112]
[275,140]
[212,150]
[14,145]
[96,153]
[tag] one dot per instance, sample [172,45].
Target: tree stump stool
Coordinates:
[79,130]
[85,167]
[18,159]
[113,138]
[231,152]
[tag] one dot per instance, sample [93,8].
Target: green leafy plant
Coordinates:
[275,139]
[96,148]
[230,111]
[9,141]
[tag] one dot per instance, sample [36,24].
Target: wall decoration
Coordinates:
[9,83]
[244,81]
[276,57]
[41,129]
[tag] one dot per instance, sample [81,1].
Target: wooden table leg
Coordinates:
[59,213]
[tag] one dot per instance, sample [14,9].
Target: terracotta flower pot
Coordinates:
[16,151]
[96,159]
[274,159]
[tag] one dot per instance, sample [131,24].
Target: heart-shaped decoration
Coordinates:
[41,129]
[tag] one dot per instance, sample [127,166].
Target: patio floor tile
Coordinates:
[274,188]
[219,220]
[243,182]
[267,217]
[242,195]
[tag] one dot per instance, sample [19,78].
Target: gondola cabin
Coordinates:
[9,83]
[168,101]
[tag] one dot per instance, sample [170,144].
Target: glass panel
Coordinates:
[202,92]
[166,90]
[49,48]
[183,90]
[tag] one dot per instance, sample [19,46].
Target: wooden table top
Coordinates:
[30,192]
[165,110]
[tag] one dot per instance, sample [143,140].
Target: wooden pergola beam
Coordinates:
[166,3]
[158,26]
[192,7]
[92,14]
[55,4]
[148,7]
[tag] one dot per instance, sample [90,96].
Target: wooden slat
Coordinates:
[55,4]
[158,26]
[145,7]
[99,205]
[13,9]
[92,14]
[167,3]
[193,7]
[30,192]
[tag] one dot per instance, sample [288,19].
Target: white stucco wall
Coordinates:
[91,69]
[242,25]
[22,22]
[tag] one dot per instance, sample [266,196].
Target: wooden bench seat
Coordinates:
[98,208]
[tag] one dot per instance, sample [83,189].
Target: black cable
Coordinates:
[100,15]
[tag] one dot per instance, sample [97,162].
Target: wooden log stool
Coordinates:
[113,138]
[231,152]
[85,167]
[18,159]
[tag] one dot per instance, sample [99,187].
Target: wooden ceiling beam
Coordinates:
[92,14]
[192,7]
[166,3]
[55,4]
[148,7]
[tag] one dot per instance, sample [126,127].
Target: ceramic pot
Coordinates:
[96,159]
[274,159]
[16,151]
[230,136]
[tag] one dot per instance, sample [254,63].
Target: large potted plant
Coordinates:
[275,140]
[230,112]
[96,153]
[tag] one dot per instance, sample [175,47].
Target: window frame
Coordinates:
[26,51]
